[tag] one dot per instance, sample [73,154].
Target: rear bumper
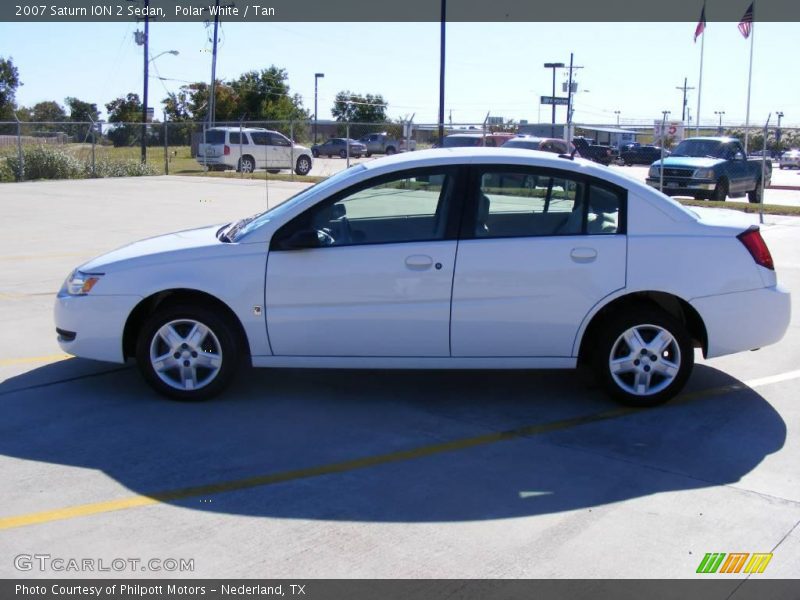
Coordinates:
[212,160]
[744,320]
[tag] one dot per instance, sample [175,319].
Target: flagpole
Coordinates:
[700,82]
[749,82]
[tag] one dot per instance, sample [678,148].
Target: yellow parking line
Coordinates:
[4,362]
[136,501]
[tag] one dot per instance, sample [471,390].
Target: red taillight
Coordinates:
[757,247]
[227,150]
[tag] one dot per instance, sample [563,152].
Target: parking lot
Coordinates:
[290,474]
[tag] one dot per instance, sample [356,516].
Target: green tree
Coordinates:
[265,96]
[9,82]
[357,108]
[125,113]
[49,110]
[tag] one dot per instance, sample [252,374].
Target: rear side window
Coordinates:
[235,138]
[526,202]
[215,136]
[522,203]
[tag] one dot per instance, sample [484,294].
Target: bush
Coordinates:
[43,162]
[119,168]
[6,174]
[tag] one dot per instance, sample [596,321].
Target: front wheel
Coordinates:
[721,191]
[303,165]
[755,196]
[342,154]
[187,352]
[643,357]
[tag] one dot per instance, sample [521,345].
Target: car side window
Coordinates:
[276,139]
[603,216]
[521,203]
[234,137]
[259,138]
[407,207]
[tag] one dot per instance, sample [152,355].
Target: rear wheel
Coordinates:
[390,150]
[187,352]
[315,153]
[721,191]
[643,357]
[246,164]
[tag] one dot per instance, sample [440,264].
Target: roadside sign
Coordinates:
[673,131]
[554,100]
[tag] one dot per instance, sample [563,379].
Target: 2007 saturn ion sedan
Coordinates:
[451,258]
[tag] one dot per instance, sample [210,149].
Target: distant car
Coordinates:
[247,149]
[790,159]
[598,153]
[464,259]
[470,140]
[338,147]
[383,143]
[555,145]
[640,155]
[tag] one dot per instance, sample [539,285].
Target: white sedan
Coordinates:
[451,258]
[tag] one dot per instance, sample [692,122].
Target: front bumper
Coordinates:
[678,187]
[92,326]
[744,320]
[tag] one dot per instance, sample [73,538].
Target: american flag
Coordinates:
[701,25]
[746,24]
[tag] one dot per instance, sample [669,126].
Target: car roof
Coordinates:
[712,139]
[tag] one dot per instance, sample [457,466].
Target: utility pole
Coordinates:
[146,45]
[317,77]
[684,87]
[554,66]
[720,113]
[213,90]
[616,112]
[570,108]
[441,70]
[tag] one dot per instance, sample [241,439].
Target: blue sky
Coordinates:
[497,67]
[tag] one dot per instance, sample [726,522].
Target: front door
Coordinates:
[379,282]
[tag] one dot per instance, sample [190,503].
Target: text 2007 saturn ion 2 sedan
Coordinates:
[452,258]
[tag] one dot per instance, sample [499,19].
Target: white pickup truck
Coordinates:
[383,143]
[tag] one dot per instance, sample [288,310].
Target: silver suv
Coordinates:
[249,148]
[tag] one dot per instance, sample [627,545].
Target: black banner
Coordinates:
[385,11]
[405,589]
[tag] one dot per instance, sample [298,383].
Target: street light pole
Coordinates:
[661,162]
[441,69]
[616,112]
[720,113]
[553,66]
[316,79]
[778,131]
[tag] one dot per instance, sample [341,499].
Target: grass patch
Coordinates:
[746,207]
[260,175]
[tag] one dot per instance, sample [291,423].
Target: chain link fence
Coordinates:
[243,149]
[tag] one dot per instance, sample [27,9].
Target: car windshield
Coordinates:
[699,148]
[241,228]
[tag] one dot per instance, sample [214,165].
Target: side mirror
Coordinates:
[738,156]
[302,239]
[338,211]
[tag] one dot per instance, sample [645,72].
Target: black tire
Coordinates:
[390,150]
[369,154]
[721,191]
[677,357]
[754,196]
[302,166]
[219,343]
[246,164]
[273,171]
[315,153]
[342,154]
[355,156]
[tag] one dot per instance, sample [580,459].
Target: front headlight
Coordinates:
[80,284]
[654,171]
[704,174]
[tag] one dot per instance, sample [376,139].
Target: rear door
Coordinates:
[260,148]
[538,249]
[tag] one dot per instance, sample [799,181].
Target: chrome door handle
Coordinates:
[419,262]
[583,255]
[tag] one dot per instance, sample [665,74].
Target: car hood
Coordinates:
[689,161]
[156,248]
